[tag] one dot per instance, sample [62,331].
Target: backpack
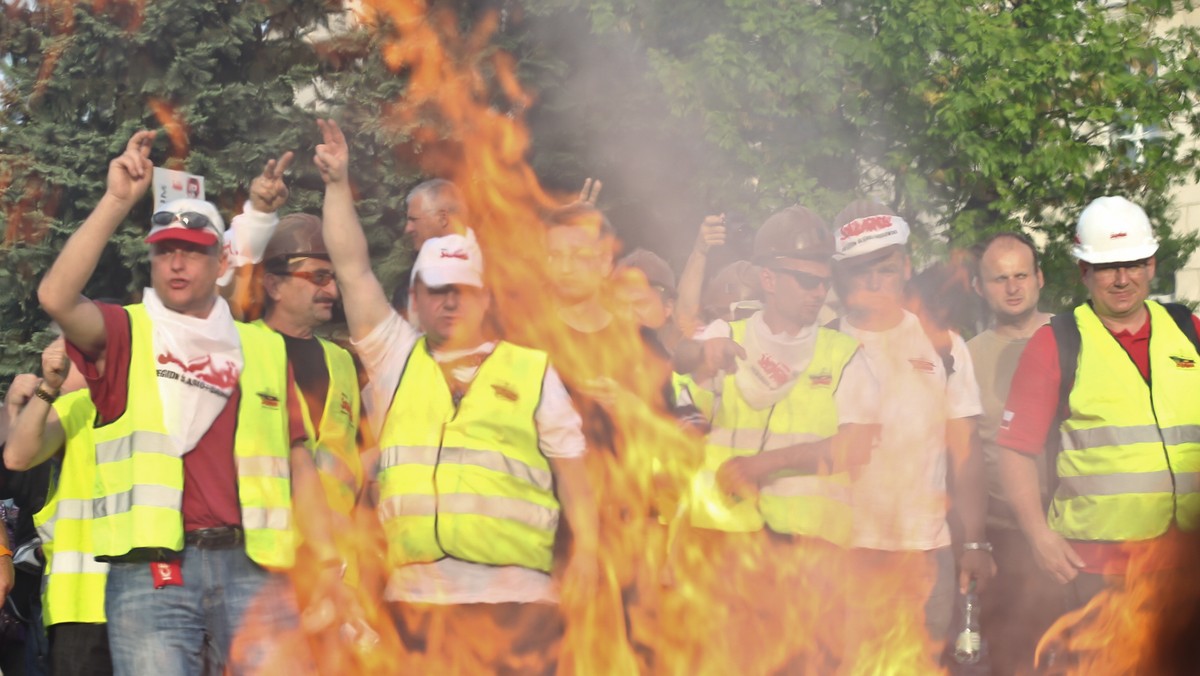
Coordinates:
[1068,340]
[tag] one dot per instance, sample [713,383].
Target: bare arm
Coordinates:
[579,508]
[365,303]
[37,434]
[969,499]
[691,280]
[1019,476]
[844,451]
[60,290]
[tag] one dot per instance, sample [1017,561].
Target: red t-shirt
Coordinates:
[1030,411]
[210,497]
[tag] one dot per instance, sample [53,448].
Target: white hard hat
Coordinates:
[1113,230]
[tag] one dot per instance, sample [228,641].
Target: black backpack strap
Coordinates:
[1068,341]
[1182,315]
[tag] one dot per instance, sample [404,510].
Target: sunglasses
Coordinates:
[319,278]
[808,282]
[189,219]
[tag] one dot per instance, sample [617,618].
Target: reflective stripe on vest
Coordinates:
[813,505]
[1130,464]
[335,445]
[139,472]
[73,581]
[469,483]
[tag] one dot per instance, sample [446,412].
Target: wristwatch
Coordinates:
[985,546]
[44,395]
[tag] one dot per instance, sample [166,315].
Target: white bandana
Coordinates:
[773,362]
[198,363]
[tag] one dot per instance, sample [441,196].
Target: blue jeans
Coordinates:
[188,630]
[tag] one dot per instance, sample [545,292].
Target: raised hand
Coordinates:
[712,233]
[55,366]
[130,173]
[268,192]
[590,192]
[333,154]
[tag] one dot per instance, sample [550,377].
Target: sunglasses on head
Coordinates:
[807,281]
[188,219]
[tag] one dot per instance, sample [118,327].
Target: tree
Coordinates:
[220,78]
[967,118]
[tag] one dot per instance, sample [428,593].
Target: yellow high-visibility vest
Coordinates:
[139,472]
[335,445]
[73,581]
[468,481]
[816,505]
[1130,459]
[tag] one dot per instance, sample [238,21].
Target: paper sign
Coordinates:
[169,184]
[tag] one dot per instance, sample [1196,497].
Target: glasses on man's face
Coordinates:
[1110,269]
[188,219]
[807,281]
[319,278]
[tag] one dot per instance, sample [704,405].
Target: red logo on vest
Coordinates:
[860,225]
[346,407]
[1183,363]
[820,380]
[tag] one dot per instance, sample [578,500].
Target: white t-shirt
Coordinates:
[899,498]
[560,435]
[779,359]
[246,239]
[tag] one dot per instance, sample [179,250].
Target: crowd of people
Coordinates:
[198,458]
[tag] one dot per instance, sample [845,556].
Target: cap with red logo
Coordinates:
[187,220]
[865,227]
[452,259]
[1113,230]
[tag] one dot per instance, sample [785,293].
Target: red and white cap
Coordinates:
[451,259]
[869,234]
[1113,230]
[187,220]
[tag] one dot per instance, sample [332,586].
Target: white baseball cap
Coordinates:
[1113,230]
[869,234]
[187,220]
[450,259]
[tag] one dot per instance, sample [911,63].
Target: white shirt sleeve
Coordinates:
[718,328]
[962,390]
[246,239]
[384,352]
[559,427]
[857,396]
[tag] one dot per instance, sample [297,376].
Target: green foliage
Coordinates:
[967,117]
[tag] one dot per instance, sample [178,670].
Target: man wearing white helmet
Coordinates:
[1117,378]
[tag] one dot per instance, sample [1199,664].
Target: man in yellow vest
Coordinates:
[481,451]
[794,407]
[1127,477]
[199,442]
[73,581]
[300,292]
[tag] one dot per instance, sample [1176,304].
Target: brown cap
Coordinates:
[795,232]
[296,235]
[657,272]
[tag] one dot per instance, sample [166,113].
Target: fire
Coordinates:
[669,599]
[1147,624]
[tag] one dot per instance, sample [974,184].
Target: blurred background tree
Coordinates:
[966,117]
